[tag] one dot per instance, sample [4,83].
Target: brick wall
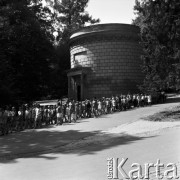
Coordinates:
[115,67]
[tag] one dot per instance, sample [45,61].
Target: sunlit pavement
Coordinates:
[80,151]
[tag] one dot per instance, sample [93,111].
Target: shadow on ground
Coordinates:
[37,144]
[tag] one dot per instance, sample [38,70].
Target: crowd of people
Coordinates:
[35,116]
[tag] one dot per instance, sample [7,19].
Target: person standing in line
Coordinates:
[142,100]
[70,110]
[127,102]
[83,109]
[54,114]
[107,105]
[20,119]
[103,106]
[2,122]
[51,114]
[31,120]
[134,100]
[124,103]
[117,102]
[145,99]
[13,118]
[120,104]
[45,115]
[138,100]
[59,114]
[79,110]
[8,124]
[39,117]
[76,111]
[88,108]
[27,117]
[99,107]
[34,116]
[5,121]
[149,97]
[94,107]
[68,114]
[37,114]
[64,112]
[73,113]
[113,102]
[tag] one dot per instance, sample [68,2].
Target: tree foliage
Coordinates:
[33,60]
[159,22]
[26,51]
[70,16]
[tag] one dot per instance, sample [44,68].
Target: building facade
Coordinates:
[105,61]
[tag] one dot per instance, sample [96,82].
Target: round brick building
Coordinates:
[105,61]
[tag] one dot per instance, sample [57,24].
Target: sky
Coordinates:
[112,11]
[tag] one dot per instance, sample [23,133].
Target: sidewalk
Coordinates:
[39,141]
[80,150]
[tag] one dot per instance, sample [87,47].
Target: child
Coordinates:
[59,114]
[99,107]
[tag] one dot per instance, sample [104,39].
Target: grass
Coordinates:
[172,114]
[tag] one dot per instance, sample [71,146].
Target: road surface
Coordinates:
[80,150]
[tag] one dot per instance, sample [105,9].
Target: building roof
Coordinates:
[105,29]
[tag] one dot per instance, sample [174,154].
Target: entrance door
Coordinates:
[78,92]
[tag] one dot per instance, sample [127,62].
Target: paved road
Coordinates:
[79,151]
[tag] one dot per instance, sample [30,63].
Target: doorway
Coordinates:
[78,92]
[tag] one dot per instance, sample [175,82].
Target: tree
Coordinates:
[26,51]
[159,22]
[71,15]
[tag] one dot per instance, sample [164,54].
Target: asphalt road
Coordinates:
[80,150]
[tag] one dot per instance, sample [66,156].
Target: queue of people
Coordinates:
[35,116]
